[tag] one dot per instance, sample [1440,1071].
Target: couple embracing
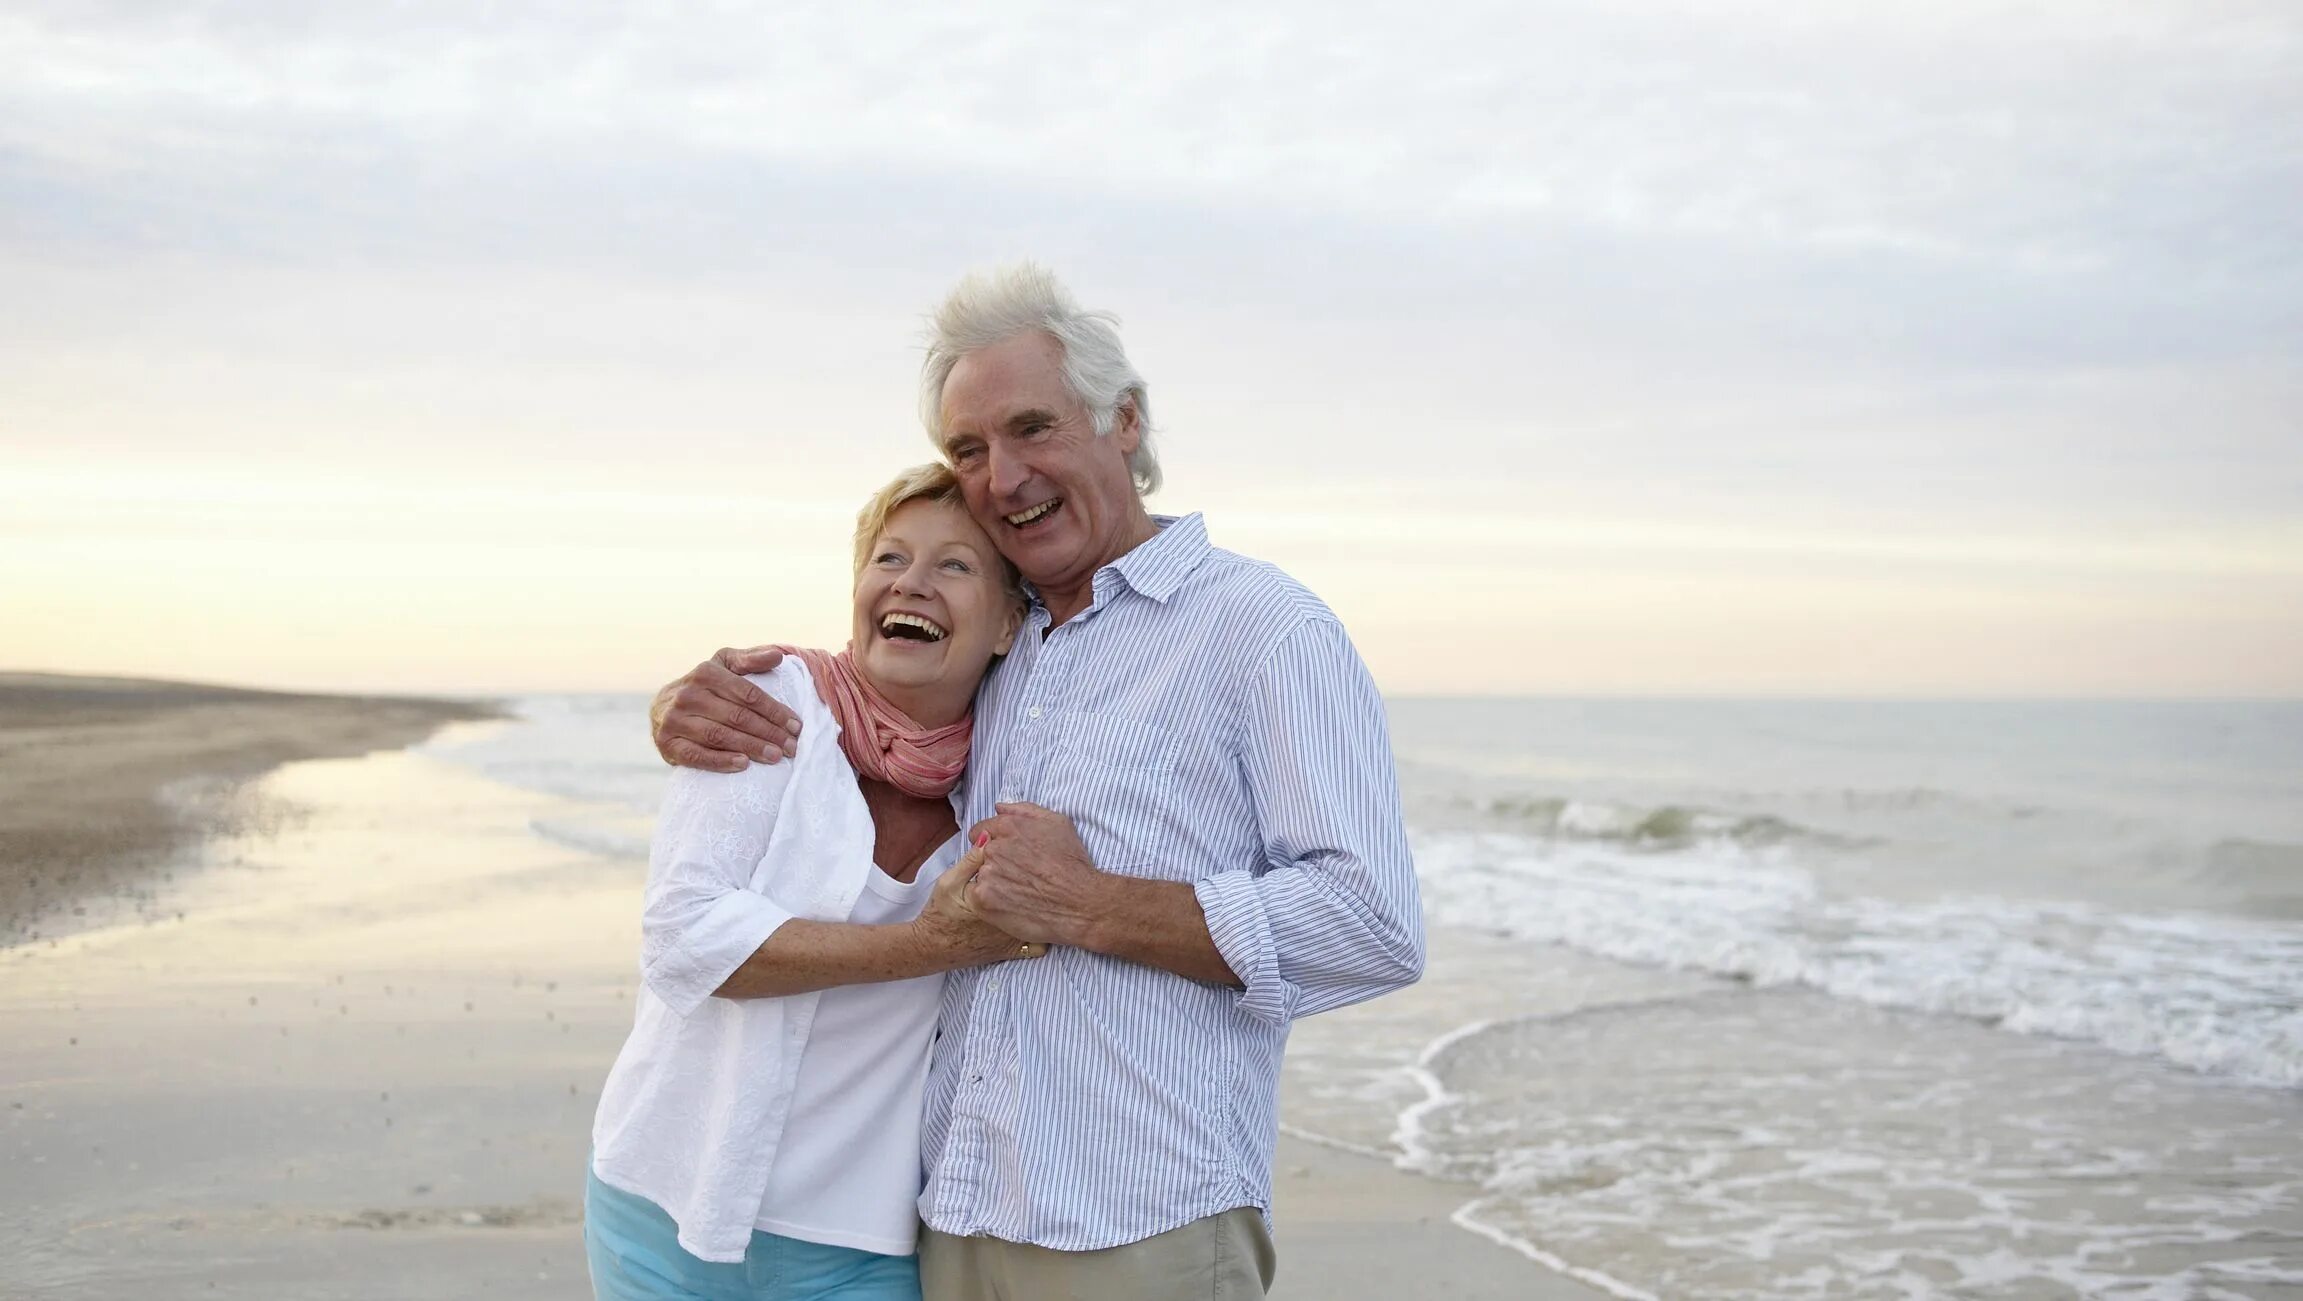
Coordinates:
[969,953]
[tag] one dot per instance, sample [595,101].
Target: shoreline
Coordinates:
[324,1064]
[1351,1223]
[111,779]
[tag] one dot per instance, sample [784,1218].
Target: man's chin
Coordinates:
[1047,548]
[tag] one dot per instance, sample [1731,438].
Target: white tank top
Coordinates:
[848,1170]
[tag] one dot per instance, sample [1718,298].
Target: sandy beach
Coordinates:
[337,1031]
[107,777]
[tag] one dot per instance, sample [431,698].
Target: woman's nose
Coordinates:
[914,579]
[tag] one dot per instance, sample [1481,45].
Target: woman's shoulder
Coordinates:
[755,786]
[792,686]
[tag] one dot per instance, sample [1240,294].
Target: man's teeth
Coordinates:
[895,621]
[1022,518]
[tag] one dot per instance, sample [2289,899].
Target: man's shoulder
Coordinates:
[1242,611]
[1258,592]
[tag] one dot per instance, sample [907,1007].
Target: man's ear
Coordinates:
[1127,429]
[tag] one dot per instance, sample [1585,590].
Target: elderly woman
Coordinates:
[759,1134]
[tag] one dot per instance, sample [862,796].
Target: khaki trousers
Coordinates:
[1224,1257]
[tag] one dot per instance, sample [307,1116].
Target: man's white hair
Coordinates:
[985,309]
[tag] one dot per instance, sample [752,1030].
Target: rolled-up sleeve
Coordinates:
[701,918]
[1332,916]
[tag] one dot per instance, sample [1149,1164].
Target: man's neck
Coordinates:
[1063,603]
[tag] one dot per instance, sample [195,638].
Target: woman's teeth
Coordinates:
[912,624]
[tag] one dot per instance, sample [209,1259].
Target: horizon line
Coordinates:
[1660,694]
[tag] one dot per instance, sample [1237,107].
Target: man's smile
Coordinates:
[1024,519]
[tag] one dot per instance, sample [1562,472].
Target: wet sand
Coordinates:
[106,777]
[1355,1226]
[350,1048]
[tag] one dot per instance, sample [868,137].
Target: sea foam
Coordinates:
[2214,994]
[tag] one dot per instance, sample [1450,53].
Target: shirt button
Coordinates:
[1033,712]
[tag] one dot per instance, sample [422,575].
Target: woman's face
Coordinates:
[932,608]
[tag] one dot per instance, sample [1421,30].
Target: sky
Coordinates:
[1945,349]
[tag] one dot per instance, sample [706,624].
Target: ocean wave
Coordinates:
[1662,828]
[606,840]
[2217,995]
[591,749]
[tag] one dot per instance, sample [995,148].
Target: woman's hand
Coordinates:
[952,926]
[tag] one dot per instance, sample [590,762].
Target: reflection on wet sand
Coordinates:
[388,1013]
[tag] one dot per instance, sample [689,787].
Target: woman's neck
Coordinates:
[936,706]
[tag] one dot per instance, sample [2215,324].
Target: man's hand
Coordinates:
[1037,882]
[954,927]
[711,718]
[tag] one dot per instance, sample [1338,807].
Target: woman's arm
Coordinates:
[806,955]
[704,931]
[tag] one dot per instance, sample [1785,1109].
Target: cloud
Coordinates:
[1924,273]
[2055,136]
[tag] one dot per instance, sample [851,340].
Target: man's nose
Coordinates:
[1008,472]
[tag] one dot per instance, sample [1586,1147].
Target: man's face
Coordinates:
[1056,499]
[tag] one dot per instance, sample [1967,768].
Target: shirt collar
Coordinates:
[1159,564]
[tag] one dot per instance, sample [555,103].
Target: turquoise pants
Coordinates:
[636,1256]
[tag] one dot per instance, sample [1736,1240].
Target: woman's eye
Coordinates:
[960,565]
[887,558]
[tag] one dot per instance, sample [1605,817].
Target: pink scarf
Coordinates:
[881,740]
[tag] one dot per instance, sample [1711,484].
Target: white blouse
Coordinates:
[696,1107]
[848,1169]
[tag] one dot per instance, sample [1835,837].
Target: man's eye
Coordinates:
[967,453]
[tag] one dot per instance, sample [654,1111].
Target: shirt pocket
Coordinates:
[1114,777]
[1116,742]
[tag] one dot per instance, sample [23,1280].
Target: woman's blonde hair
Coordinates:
[931,482]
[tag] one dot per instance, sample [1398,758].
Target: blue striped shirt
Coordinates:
[1204,720]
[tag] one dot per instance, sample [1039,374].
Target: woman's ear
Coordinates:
[1009,630]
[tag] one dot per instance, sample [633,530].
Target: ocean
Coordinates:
[1774,999]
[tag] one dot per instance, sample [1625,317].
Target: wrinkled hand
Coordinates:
[1037,881]
[711,718]
[953,924]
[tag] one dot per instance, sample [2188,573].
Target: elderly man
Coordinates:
[1182,781]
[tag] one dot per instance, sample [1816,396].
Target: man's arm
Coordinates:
[1038,883]
[1333,916]
[711,718]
